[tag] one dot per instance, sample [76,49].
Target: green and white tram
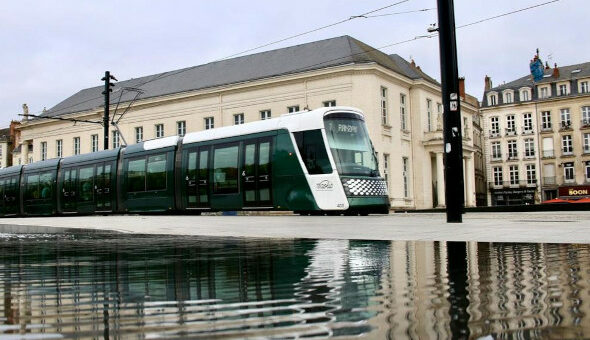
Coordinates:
[310,162]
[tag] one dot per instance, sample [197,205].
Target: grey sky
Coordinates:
[53,49]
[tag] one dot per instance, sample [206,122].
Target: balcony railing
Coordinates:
[528,131]
[494,133]
[510,132]
[497,157]
[548,154]
[566,152]
[585,123]
[512,157]
[549,180]
[565,125]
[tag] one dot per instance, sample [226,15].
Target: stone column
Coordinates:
[469,178]
[440,179]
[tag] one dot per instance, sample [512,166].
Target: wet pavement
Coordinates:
[114,286]
[539,227]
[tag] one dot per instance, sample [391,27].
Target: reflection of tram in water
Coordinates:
[319,161]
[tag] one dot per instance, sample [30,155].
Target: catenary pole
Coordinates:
[453,147]
[107,93]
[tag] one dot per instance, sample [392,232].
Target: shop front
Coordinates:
[513,196]
[574,192]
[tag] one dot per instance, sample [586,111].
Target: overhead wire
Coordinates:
[167,74]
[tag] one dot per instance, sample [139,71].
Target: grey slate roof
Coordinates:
[295,59]
[565,73]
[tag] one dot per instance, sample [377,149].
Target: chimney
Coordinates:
[462,87]
[413,63]
[487,83]
[25,112]
[555,71]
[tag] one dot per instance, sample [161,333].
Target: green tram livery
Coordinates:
[310,162]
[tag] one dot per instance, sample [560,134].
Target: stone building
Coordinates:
[537,136]
[402,106]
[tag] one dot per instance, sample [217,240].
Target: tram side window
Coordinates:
[225,170]
[156,172]
[313,152]
[86,183]
[45,181]
[32,190]
[136,175]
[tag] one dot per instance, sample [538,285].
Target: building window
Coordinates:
[566,145]
[159,130]
[508,98]
[584,87]
[402,111]
[428,115]
[94,142]
[116,139]
[59,147]
[493,99]
[329,103]
[563,90]
[513,174]
[510,125]
[386,168]
[529,147]
[524,95]
[531,174]
[587,171]
[138,134]
[384,105]
[497,171]
[495,124]
[43,151]
[512,149]
[239,119]
[181,128]
[406,176]
[76,145]
[265,114]
[568,172]
[566,120]
[544,92]
[209,123]
[528,122]
[496,151]
[586,142]
[546,120]
[585,116]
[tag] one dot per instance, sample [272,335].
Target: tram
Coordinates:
[309,162]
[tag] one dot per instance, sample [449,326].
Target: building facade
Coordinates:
[537,136]
[402,104]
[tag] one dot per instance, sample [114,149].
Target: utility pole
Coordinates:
[105,118]
[453,146]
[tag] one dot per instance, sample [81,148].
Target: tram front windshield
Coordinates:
[350,145]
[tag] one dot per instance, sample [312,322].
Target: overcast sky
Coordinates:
[53,49]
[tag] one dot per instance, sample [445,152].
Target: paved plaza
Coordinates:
[545,227]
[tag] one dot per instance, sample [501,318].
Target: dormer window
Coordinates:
[562,89]
[583,86]
[544,92]
[492,99]
[508,98]
[525,94]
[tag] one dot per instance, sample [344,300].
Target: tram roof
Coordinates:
[11,170]
[94,156]
[297,121]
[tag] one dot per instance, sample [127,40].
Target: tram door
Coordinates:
[102,187]
[197,178]
[68,191]
[11,200]
[256,173]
